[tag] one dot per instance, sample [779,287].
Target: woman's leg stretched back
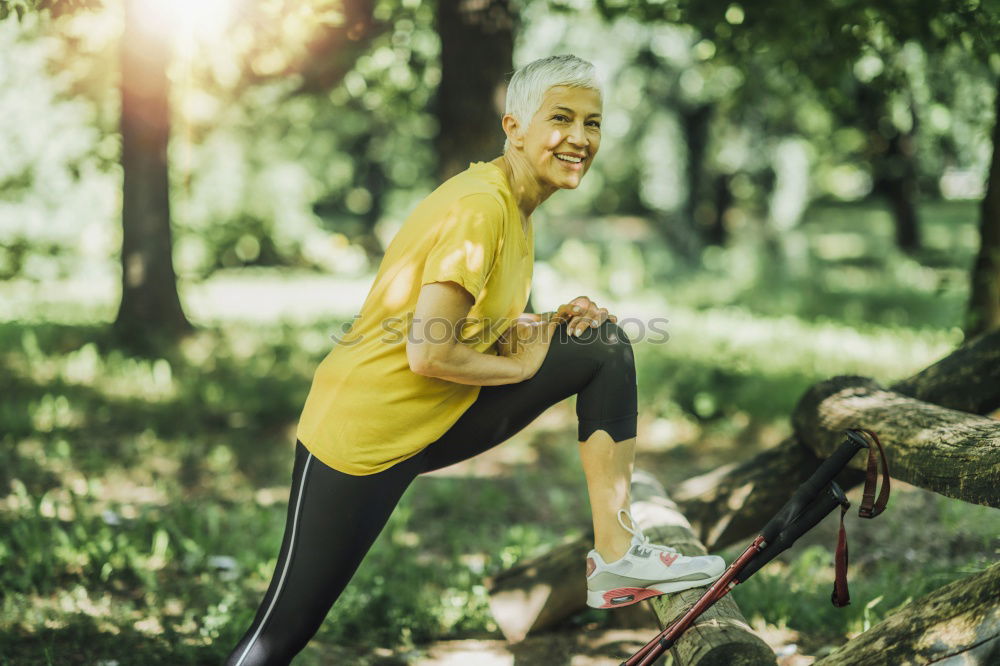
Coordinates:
[333,519]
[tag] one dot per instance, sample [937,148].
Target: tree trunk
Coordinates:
[733,502]
[959,622]
[892,155]
[729,503]
[950,452]
[898,182]
[477,46]
[707,198]
[984,299]
[540,592]
[150,307]
[678,233]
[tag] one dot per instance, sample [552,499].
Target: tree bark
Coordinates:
[477,47]
[540,592]
[967,379]
[984,299]
[729,503]
[150,307]
[959,621]
[732,502]
[950,452]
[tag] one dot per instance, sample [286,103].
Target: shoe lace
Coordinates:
[637,532]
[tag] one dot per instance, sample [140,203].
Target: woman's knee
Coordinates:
[596,351]
[606,349]
[608,339]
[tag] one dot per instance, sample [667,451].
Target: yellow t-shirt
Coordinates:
[366,410]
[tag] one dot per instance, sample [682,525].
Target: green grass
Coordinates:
[142,500]
[124,478]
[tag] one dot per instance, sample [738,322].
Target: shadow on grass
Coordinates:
[248,404]
[83,641]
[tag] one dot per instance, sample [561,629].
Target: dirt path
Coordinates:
[583,647]
[594,647]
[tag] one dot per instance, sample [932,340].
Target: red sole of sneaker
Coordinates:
[626,596]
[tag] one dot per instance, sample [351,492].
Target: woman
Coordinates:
[441,365]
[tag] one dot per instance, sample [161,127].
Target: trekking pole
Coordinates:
[809,504]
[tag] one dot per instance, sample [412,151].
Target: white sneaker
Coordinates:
[647,570]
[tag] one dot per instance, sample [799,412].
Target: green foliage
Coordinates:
[19,8]
[262,173]
[56,196]
[269,170]
[15,7]
[828,34]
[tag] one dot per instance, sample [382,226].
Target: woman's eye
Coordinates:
[561,117]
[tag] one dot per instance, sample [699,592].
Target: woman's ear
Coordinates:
[512,129]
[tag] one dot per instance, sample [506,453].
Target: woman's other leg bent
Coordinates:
[333,519]
[598,367]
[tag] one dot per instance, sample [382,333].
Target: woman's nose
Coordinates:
[577,136]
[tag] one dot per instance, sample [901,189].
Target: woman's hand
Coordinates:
[528,343]
[524,327]
[582,312]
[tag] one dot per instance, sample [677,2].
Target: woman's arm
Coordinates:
[433,348]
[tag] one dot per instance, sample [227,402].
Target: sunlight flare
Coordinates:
[190,20]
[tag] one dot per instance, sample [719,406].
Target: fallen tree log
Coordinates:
[720,635]
[967,379]
[950,452]
[731,502]
[536,594]
[541,591]
[960,620]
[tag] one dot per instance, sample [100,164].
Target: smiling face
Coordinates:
[566,125]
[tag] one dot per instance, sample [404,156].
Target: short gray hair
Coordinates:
[528,85]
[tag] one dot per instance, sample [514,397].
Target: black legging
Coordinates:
[333,518]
